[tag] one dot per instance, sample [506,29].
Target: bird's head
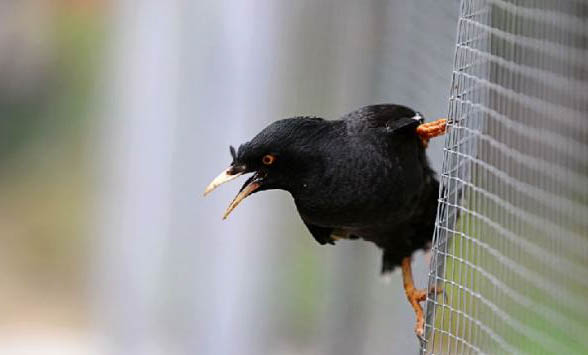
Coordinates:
[281,156]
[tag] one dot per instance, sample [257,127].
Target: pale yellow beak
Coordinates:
[226,176]
[252,186]
[223,177]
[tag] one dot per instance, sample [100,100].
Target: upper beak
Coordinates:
[252,184]
[231,173]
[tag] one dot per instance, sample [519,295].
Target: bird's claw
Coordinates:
[420,333]
[431,129]
[437,290]
[419,329]
[415,298]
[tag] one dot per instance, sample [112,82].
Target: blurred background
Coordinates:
[114,116]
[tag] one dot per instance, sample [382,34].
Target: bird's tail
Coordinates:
[390,260]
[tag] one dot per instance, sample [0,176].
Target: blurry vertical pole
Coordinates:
[142,106]
[216,266]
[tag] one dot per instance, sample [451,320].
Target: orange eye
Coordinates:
[268,159]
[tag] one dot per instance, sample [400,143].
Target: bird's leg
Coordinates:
[431,130]
[414,296]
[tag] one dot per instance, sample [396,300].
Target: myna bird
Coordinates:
[364,176]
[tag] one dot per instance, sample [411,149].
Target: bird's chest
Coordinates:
[362,197]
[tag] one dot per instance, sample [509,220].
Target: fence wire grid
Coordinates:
[510,248]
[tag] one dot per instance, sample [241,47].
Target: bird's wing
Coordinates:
[389,117]
[321,234]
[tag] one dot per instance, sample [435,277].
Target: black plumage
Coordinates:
[364,176]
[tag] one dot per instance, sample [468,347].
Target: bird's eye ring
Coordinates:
[268,159]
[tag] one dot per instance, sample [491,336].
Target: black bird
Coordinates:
[364,176]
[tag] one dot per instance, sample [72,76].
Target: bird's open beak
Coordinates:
[252,184]
[226,176]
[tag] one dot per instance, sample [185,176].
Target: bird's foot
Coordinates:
[415,297]
[433,290]
[431,129]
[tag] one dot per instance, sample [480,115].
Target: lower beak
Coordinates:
[250,186]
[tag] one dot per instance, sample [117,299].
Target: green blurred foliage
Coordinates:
[43,163]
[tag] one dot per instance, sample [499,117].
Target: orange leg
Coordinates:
[415,296]
[431,129]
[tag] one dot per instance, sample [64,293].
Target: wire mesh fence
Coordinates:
[511,242]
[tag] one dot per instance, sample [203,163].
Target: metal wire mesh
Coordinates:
[511,242]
